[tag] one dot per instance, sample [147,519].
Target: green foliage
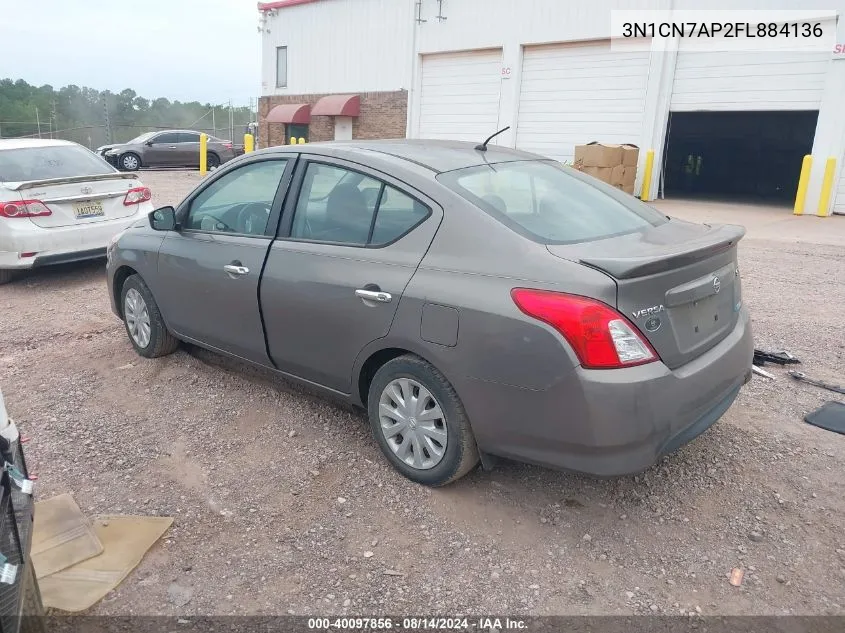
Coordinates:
[78,114]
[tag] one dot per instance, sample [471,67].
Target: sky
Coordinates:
[203,50]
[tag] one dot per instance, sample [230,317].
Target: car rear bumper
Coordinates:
[60,244]
[612,422]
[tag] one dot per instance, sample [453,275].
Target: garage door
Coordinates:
[839,203]
[749,80]
[574,94]
[459,95]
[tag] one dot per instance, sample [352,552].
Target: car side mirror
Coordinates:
[149,143]
[163,219]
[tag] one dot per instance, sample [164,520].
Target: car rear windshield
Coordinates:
[54,161]
[549,203]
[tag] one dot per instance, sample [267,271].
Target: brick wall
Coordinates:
[383,115]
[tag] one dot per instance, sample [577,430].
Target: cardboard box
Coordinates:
[629,189]
[602,173]
[630,155]
[598,155]
[617,175]
[629,176]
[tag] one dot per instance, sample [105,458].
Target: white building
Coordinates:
[732,125]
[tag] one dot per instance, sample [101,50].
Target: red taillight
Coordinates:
[24,209]
[227,145]
[137,196]
[601,337]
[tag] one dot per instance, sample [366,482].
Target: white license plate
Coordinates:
[91,209]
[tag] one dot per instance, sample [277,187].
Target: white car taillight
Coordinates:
[24,209]
[137,195]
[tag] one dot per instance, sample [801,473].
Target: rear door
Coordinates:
[210,267]
[164,151]
[349,243]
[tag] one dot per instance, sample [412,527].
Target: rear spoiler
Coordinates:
[718,240]
[29,184]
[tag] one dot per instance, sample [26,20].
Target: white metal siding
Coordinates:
[574,94]
[459,95]
[337,46]
[749,80]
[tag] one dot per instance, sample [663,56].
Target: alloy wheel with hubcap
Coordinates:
[413,423]
[130,162]
[137,317]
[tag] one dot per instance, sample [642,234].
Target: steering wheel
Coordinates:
[252,218]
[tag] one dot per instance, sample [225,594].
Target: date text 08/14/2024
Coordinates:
[415,624]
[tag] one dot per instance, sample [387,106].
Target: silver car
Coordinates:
[477,301]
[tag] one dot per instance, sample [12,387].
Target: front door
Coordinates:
[188,149]
[348,247]
[210,266]
[163,152]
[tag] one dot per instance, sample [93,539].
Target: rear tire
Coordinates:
[129,162]
[141,317]
[212,161]
[6,276]
[438,461]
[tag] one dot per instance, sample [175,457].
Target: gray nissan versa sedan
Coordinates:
[478,301]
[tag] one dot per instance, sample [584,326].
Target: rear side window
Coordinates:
[44,163]
[550,204]
[343,206]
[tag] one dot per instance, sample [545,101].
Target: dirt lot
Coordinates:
[283,504]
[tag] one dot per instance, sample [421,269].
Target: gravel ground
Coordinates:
[283,503]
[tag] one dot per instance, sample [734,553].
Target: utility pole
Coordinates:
[38,121]
[108,123]
[53,125]
[213,123]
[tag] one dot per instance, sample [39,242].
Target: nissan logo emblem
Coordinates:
[717,285]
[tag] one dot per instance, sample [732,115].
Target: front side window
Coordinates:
[282,67]
[168,138]
[550,204]
[341,206]
[239,201]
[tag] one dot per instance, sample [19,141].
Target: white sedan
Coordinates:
[60,202]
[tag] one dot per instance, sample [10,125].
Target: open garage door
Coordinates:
[459,95]
[577,93]
[737,156]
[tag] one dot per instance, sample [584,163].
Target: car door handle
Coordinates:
[374,295]
[171,147]
[236,270]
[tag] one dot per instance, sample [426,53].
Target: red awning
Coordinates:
[338,105]
[290,113]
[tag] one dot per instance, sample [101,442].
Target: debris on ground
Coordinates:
[780,357]
[830,416]
[798,375]
[736,576]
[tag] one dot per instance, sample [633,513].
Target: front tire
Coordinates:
[130,162]
[420,423]
[142,319]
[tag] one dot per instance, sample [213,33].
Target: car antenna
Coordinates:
[483,146]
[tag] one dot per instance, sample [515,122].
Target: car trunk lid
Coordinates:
[678,282]
[80,200]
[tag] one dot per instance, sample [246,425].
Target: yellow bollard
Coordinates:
[249,143]
[649,166]
[803,182]
[301,141]
[293,140]
[827,187]
[203,154]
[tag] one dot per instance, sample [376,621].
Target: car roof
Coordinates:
[434,155]
[21,143]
